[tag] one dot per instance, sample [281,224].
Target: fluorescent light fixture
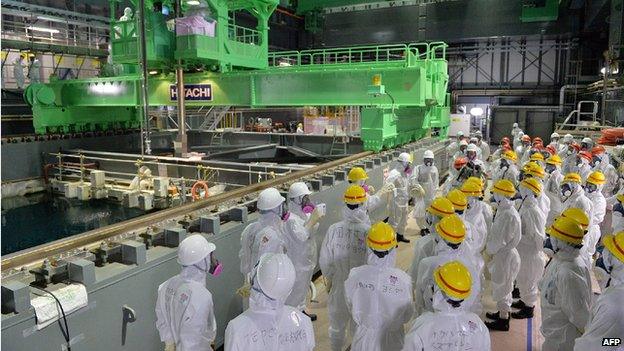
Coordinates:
[51,19]
[42,29]
[192,2]
[153,72]
[612,70]
[476,111]
[106,89]
[284,64]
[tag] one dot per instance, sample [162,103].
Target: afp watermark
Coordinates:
[611,341]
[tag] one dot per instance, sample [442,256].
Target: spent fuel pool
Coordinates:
[37,219]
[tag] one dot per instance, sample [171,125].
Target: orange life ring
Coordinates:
[194,189]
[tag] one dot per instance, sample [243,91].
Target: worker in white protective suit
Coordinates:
[584,159]
[483,146]
[461,153]
[269,324]
[426,178]
[570,159]
[515,130]
[374,200]
[300,230]
[554,140]
[143,180]
[264,235]
[525,144]
[451,246]
[184,309]
[565,289]
[503,238]
[425,246]
[378,295]
[504,144]
[453,147]
[343,248]
[567,140]
[587,144]
[593,191]
[552,187]
[533,224]
[399,208]
[450,326]
[573,195]
[18,72]
[507,168]
[533,170]
[606,318]
[478,214]
[474,242]
[457,175]
[127,15]
[600,160]
[33,71]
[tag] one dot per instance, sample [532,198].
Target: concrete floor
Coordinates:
[523,334]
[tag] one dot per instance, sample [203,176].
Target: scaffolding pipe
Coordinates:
[145,125]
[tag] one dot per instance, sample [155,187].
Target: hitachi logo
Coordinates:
[196,92]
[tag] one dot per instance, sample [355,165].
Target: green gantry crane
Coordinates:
[401,88]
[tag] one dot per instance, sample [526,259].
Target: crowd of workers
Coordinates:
[532,222]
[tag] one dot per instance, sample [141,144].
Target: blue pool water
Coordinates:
[38,219]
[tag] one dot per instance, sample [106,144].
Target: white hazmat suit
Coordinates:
[530,249]
[379,297]
[343,248]
[503,238]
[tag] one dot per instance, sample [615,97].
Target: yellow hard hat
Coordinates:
[504,187]
[572,178]
[567,230]
[534,170]
[471,189]
[596,178]
[577,215]
[537,157]
[381,237]
[476,180]
[356,174]
[554,160]
[452,229]
[532,184]
[441,207]
[615,244]
[510,155]
[454,279]
[620,197]
[354,195]
[458,199]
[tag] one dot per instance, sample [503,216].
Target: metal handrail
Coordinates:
[243,34]
[359,54]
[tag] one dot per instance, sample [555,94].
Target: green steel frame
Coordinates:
[401,88]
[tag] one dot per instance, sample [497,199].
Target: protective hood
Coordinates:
[196,272]
[270,219]
[295,209]
[359,215]
[259,302]
[441,305]
[387,261]
[564,251]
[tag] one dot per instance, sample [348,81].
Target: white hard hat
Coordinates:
[568,137]
[472,147]
[587,140]
[194,249]
[269,199]
[463,143]
[428,154]
[405,157]
[555,135]
[478,133]
[460,133]
[275,275]
[474,139]
[298,189]
[515,125]
[520,133]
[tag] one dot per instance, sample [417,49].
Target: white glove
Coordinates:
[417,191]
[315,216]
[244,291]
[386,188]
